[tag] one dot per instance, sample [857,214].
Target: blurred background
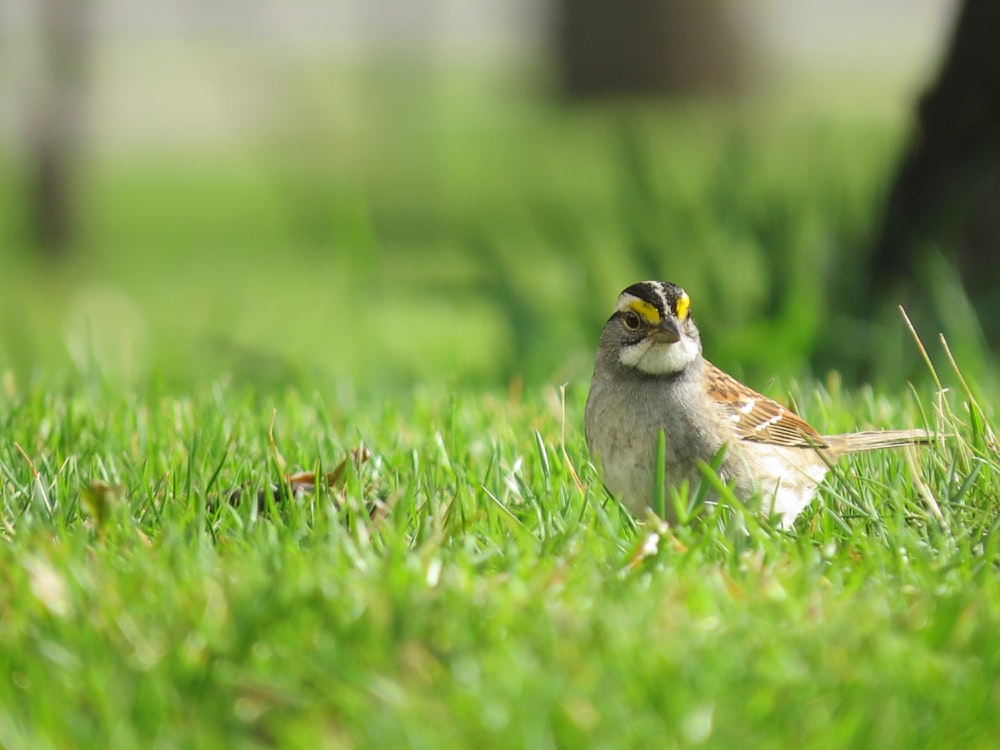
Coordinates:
[382,192]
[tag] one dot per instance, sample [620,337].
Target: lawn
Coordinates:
[465,580]
[489,599]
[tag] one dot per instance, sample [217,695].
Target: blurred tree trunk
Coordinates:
[648,47]
[947,186]
[55,138]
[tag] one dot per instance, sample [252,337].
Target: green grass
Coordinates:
[232,317]
[493,602]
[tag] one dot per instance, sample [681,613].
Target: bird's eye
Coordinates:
[632,321]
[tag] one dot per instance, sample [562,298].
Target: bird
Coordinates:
[650,375]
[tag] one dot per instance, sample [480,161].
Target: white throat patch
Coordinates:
[660,358]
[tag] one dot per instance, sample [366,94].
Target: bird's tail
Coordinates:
[855,442]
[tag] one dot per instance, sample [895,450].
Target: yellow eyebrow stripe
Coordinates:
[682,306]
[648,312]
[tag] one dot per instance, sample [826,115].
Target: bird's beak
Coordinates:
[667,332]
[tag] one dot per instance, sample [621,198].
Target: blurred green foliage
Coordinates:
[455,234]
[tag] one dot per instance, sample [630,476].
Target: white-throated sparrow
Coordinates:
[649,375]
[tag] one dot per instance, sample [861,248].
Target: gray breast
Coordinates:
[625,411]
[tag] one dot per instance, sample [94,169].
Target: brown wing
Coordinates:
[756,417]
